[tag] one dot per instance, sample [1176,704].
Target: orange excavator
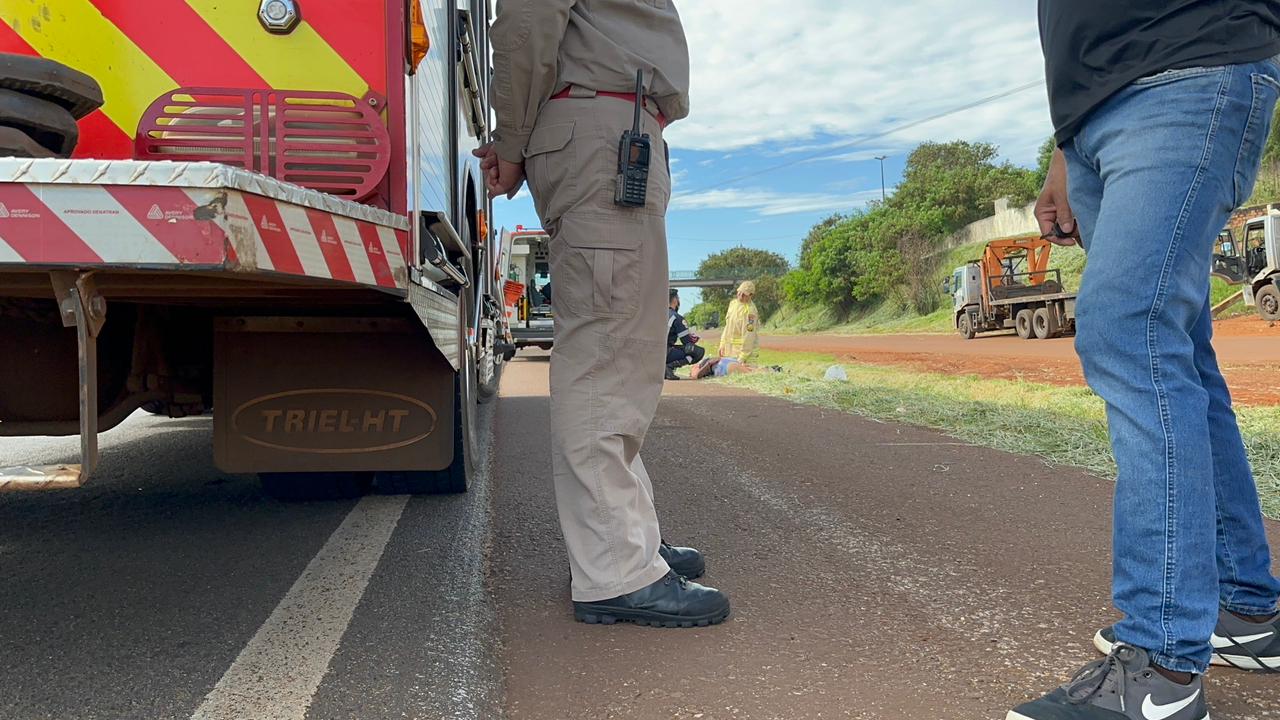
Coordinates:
[1012,287]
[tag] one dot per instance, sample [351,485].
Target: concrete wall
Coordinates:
[1006,222]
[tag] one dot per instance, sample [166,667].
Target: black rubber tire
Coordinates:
[1022,324]
[16,143]
[457,477]
[966,327]
[1268,302]
[155,407]
[52,81]
[486,392]
[1040,322]
[47,123]
[303,487]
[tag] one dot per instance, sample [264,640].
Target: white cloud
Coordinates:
[770,203]
[782,73]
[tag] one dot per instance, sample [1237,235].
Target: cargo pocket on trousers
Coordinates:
[549,165]
[600,265]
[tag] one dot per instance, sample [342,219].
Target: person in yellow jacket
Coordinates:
[740,340]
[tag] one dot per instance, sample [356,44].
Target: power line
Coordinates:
[873,136]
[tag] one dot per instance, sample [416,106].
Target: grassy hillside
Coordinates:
[895,316]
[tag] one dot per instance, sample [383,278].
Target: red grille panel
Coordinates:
[324,141]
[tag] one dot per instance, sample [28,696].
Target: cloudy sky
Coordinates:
[792,101]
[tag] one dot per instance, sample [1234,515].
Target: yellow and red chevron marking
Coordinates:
[140,50]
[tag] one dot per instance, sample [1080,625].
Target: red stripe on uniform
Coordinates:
[335,256]
[168,214]
[168,36]
[275,235]
[35,232]
[377,258]
[361,44]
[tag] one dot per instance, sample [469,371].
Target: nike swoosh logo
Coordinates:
[1152,711]
[1221,642]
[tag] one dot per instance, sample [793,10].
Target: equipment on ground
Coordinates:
[1012,287]
[1253,263]
[275,217]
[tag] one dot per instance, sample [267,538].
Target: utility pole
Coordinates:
[882,158]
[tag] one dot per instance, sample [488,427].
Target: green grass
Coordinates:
[1061,425]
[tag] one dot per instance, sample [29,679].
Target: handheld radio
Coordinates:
[633,158]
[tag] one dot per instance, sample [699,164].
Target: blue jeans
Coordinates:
[1154,175]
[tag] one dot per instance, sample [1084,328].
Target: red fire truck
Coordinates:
[274,215]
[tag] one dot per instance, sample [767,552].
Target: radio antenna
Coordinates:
[635,125]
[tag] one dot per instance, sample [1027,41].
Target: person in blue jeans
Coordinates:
[1161,111]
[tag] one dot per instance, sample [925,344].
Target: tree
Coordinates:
[742,263]
[961,180]
[816,232]
[1043,159]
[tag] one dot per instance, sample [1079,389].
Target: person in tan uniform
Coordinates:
[564,93]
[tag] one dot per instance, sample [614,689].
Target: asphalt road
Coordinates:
[876,571]
[165,589]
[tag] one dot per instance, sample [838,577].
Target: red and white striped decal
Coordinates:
[295,240]
[157,226]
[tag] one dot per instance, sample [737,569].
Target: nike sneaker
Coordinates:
[1237,643]
[1122,686]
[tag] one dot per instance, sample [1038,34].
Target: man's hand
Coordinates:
[500,176]
[1053,208]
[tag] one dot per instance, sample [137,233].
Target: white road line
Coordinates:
[276,675]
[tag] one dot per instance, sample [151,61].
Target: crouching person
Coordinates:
[682,344]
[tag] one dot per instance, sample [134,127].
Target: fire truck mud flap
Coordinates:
[330,395]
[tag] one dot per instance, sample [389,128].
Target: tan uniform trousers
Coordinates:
[609,269]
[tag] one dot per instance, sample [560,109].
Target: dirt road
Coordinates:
[876,571]
[1248,349]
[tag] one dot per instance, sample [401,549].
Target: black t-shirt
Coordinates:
[1094,48]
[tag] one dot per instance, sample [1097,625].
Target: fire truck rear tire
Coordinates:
[155,407]
[301,487]
[486,392]
[1022,323]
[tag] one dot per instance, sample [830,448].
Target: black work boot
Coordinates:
[683,561]
[672,602]
[671,374]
